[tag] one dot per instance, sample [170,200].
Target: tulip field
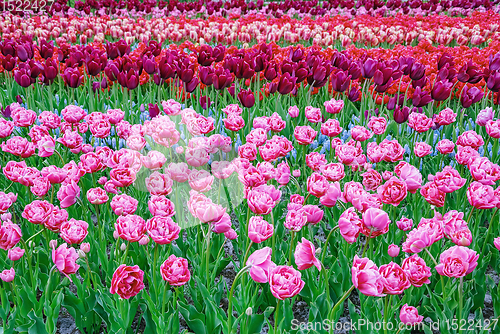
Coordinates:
[242,166]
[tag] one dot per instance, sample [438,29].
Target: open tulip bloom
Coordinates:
[212,167]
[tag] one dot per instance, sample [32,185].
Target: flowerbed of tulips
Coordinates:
[175,175]
[206,8]
[478,29]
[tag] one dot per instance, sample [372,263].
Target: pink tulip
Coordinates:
[163,230]
[366,277]
[313,213]
[8,275]
[127,281]
[350,225]
[375,222]
[449,180]
[65,259]
[123,205]
[395,279]
[97,196]
[74,231]
[15,253]
[68,193]
[481,196]
[317,185]
[457,261]
[130,227]
[200,180]
[285,282]
[305,256]
[422,149]
[393,250]
[261,264]
[37,212]
[332,195]
[405,224]
[259,230]
[161,206]
[393,191]
[418,272]
[175,271]
[295,220]
[496,242]
[159,184]
[409,315]
[154,160]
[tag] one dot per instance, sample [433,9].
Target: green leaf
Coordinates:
[37,327]
[194,319]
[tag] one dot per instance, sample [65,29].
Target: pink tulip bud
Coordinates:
[393,250]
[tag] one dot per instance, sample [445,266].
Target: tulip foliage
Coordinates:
[235,181]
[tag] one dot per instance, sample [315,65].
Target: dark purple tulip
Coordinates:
[243,70]
[149,64]
[406,64]
[396,100]
[419,83]
[470,96]
[207,75]
[104,83]
[231,90]
[286,84]
[72,77]
[445,59]
[186,71]
[111,50]
[420,98]
[271,71]
[218,53]
[246,98]
[112,71]
[417,71]
[205,102]
[49,72]
[22,75]
[354,70]
[401,114]
[368,69]
[493,82]
[9,63]
[222,78]
[22,53]
[205,55]
[441,90]
[297,54]
[153,109]
[154,47]
[8,47]
[494,64]
[260,63]
[301,72]
[340,81]
[447,73]
[93,66]
[273,87]
[469,73]
[19,99]
[46,49]
[6,112]
[96,85]
[191,85]
[166,70]
[354,94]
[123,48]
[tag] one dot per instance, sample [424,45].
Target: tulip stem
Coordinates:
[488,232]
[276,316]
[246,253]
[341,300]
[126,252]
[326,242]
[291,247]
[470,215]
[230,299]
[366,244]
[164,298]
[460,304]
[34,235]
[208,257]
[435,262]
